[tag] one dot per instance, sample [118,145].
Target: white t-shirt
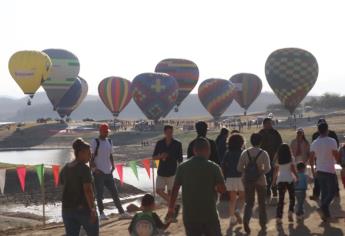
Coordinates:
[323,148]
[102,160]
[285,174]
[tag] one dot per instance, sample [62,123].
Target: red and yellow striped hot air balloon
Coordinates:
[115,93]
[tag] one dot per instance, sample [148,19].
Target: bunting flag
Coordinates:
[2,180]
[133,165]
[147,166]
[56,170]
[119,169]
[157,163]
[21,172]
[40,173]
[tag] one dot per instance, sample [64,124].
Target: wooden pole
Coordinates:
[153,177]
[43,201]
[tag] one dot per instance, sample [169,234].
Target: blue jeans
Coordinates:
[74,219]
[106,180]
[300,198]
[328,186]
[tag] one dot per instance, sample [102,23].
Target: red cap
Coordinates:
[104,128]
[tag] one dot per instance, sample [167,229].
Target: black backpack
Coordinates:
[252,172]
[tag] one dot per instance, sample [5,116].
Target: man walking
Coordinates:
[200,179]
[271,141]
[324,153]
[102,166]
[254,164]
[331,134]
[201,130]
[169,151]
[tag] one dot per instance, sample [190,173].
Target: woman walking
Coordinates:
[300,147]
[284,176]
[233,180]
[78,207]
[221,143]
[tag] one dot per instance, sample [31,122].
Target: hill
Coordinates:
[92,107]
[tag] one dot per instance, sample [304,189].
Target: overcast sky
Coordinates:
[125,38]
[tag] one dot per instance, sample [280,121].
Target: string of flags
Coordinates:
[40,170]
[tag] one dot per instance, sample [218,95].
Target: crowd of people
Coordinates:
[268,168]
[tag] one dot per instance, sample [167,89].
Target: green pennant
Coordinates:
[40,173]
[133,165]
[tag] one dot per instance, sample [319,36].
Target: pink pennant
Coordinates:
[56,170]
[147,166]
[119,168]
[21,172]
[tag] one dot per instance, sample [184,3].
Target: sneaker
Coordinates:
[233,220]
[125,216]
[103,217]
[279,221]
[290,216]
[238,216]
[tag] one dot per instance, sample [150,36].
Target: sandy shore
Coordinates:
[311,226]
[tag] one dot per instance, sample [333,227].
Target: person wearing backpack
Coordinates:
[254,164]
[147,222]
[102,166]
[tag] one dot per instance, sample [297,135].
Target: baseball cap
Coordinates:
[104,128]
[321,121]
[300,130]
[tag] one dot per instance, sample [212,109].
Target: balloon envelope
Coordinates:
[115,93]
[62,75]
[216,96]
[291,73]
[67,104]
[248,88]
[29,69]
[84,91]
[155,94]
[184,71]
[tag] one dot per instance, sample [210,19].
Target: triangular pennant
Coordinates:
[2,180]
[157,163]
[133,165]
[56,170]
[21,172]
[40,173]
[119,169]
[147,166]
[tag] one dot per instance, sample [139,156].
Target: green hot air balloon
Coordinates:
[291,73]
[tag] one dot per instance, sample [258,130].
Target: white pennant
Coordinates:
[2,180]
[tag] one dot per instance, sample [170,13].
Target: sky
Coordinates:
[129,37]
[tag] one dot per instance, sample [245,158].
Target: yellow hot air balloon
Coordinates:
[29,69]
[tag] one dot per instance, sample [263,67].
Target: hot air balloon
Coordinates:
[62,75]
[29,69]
[67,103]
[216,96]
[155,94]
[291,73]
[115,93]
[248,88]
[184,71]
[84,91]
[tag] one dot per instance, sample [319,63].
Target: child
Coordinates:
[301,187]
[284,177]
[147,223]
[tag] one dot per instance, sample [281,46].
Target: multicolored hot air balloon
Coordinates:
[291,73]
[184,71]
[115,93]
[29,69]
[155,94]
[84,91]
[62,75]
[67,103]
[216,95]
[248,88]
